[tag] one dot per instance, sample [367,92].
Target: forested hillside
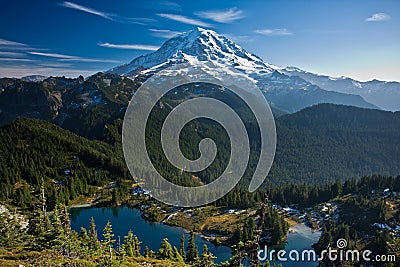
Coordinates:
[329,142]
[35,153]
[318,145]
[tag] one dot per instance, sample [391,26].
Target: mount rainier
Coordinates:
[288,93]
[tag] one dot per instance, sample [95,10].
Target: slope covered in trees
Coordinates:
[37,154]
[364,207]
[329,142]
[318,145]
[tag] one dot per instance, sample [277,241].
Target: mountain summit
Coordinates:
[285,92]
[198,45]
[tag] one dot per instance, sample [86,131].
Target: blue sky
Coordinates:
[358,39]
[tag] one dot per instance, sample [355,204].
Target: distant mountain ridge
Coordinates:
[82,106]
[383,94]
[201,45]
[34,78]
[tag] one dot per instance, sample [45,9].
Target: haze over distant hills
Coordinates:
[385,95]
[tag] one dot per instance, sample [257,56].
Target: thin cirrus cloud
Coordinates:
[171,5]
[223,16]
[19,59]
[7,45]
[4,42]
[63,57]
[15,59]
[378,17]
[130,46]
[163,33]
[11,54]
[271,32]
[106,15]
[184,19]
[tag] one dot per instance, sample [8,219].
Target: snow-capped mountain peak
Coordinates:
[195,46]
[206,47]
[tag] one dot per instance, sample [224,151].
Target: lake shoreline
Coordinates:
[216,239]
[124,218]
[299,237]
[164,221]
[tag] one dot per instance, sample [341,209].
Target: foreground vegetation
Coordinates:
[46,239]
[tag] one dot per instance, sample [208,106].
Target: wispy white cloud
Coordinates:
[11,43]
[130,46]
[54,55]
[185,19]
[87,10]
[107,15]
[16,59]
[170,5]
[93,60]
[12,46]
[274,32]
[11,54]
[63,57]
[378,17]
[19,59]
[163,33]
[222,16]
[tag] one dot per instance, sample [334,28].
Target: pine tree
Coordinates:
[65,220]
[146,252]
[131,244]
[108,240]
[137,246]
[121,250]
[177,256]
[165,252]
[36,224]
[85,239]
[182,247]
[192,254]
[38,229]
[11,234]
[152,254]
[57,234]
[238,255]
[94,243]
[207,258]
